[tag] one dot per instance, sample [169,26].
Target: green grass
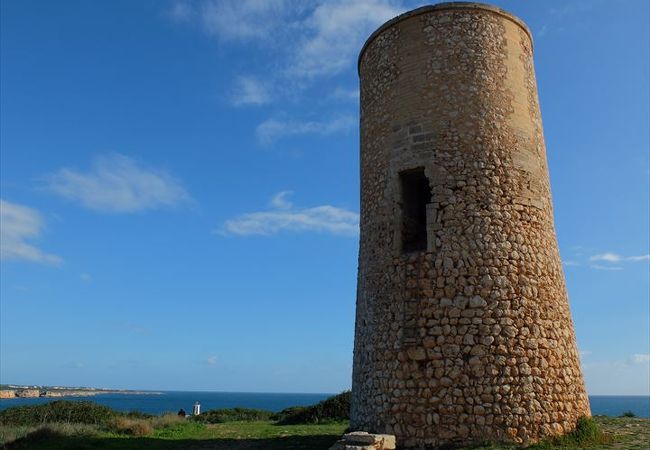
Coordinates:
[619,434]
[88,426]
[196,436]
[233,415]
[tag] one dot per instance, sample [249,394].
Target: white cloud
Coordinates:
[570,263]
[309,40]
[246,19]
[118,184]
[617,377]
[181,11]
[18,224]
[568,8]
[280,201]
[249,90]
[599,267]
[85,277]
[272,129]
[345,94]
[212,360]
[641,358]
[325,219]
[608,256]
[336,31]
[585,353]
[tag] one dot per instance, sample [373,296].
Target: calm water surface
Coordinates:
[173,401]
[613,405]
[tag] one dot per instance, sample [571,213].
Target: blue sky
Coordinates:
[179,184]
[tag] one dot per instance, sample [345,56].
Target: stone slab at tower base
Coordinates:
[360,440]
[463,328]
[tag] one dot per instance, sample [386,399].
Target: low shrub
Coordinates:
[332,409]
[58,411]
[139,415]
[73,429]
[131,427]
[586,434]
[293,411]
[166,421]
[24,437]
[628,414]
[233,415]
[40,434]
[9,433]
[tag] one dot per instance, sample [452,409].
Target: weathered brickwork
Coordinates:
[471,337]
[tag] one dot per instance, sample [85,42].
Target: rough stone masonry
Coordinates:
[463,329]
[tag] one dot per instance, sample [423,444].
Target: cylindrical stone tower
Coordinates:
[463,328]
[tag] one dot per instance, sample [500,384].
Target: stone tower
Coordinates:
[463,328]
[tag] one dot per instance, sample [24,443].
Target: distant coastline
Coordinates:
[172,401]
[17,391]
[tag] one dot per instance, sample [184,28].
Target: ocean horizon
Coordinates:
[158,402]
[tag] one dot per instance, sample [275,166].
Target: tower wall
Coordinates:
[470,336]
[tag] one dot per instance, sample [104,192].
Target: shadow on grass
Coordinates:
[51,442]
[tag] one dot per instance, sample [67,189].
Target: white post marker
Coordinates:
[196,410]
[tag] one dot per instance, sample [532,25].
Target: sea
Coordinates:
[172,401]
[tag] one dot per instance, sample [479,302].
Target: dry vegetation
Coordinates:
[86,426]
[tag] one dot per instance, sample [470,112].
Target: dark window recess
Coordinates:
[416,194]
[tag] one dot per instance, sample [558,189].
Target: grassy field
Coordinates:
[194,436]
[89,426]
[621,433]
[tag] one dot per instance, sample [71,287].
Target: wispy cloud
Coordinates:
[625,376]
[600,267]
[614,258]
[310,40]
[118,184]
[570,8]
[562,16]
[181,11]
[18,225]
[334,33]
[638,258]
[250,90]
[609,257]
[244,20]
[606,261]
[85,277]
[280,201]
[212,360]
[286,217]
[345,94]
[272,129]
[570,263]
